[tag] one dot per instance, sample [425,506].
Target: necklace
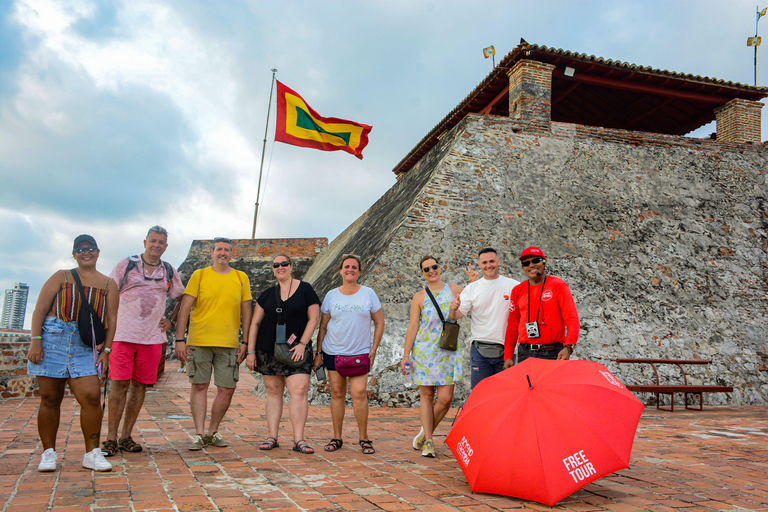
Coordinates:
[149,264]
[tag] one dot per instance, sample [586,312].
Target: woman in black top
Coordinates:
[300,314]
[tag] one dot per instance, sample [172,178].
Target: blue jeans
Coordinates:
[524,352]
[482,367]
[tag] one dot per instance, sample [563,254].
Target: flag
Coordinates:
[298,124]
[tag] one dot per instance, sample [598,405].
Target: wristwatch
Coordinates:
[107,350]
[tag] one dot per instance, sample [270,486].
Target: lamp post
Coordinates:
[755,41]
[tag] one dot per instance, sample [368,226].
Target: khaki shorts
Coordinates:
[221,360]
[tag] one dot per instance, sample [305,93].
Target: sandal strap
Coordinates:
[335,444]
[302,446]
[270,441]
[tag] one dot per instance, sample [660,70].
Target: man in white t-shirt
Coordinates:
[486,301]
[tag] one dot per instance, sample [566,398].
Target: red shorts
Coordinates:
[134,361]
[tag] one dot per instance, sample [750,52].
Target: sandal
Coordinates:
[109,448]
[334,445]
[367,446]
[129,445]
[268,444]
[302,447]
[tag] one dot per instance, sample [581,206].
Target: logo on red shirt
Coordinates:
[546,295]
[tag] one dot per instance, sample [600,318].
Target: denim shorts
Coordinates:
[64,354]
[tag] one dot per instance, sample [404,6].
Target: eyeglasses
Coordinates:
[279,264]
[221,239]
[427,268]
[532,260]
[81,250]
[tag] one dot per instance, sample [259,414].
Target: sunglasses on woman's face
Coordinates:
[81,250]
[279,264]
[433,267]
[532,260]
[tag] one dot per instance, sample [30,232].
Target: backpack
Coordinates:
[133,260]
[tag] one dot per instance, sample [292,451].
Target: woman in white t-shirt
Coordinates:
[345,330]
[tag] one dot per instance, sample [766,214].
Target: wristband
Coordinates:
[181,341]
[36,337]
[243,342]
[251,352]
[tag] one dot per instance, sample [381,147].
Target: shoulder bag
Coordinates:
[92,332]
[282,353]
[449,339]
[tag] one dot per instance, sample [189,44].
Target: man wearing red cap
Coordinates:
[543,319]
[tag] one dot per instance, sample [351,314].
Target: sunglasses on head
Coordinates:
[279,264]
[532,260]
[81,250]
[427,268]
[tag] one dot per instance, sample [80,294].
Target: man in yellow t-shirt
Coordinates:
[221,297]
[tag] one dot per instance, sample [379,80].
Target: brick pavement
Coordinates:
[691,461]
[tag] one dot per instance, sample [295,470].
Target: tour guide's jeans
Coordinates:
[524,352]
[482,367]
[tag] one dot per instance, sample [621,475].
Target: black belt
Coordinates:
[542,348]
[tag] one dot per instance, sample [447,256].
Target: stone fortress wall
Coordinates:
[662,240]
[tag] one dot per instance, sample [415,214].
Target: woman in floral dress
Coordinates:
[434,370]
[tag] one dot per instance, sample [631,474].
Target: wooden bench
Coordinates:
[671,389]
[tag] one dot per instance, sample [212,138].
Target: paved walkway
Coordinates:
[689,461]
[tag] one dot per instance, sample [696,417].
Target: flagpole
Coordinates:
[263,150]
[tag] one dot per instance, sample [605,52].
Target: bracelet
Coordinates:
[251,352]
[36,337]
[181,341]
[243,342]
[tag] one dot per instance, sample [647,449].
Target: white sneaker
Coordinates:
[429,449]
[418,441]
[95,460]
[48,461]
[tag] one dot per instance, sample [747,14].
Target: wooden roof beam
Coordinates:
[487,109]
[642,87]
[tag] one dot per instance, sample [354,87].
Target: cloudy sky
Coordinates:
[115,116]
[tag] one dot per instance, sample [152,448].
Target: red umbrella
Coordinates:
[544,429]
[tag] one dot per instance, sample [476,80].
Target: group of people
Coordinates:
[538,316]
[217,329]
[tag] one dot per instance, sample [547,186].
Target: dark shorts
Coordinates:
[329,362]
[266,365]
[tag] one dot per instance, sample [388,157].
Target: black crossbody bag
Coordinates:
[92,331]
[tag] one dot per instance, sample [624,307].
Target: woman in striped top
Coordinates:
[57,356]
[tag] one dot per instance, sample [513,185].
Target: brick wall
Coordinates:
[739,121]
[14,381]
[530,94]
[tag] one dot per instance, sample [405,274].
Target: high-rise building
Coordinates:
[15,307]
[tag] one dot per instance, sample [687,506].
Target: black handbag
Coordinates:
[449,338]
[282,353]
[92,332]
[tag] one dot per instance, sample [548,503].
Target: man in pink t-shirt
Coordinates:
[144,283]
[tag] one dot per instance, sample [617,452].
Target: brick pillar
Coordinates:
[739,121]
[530,94]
